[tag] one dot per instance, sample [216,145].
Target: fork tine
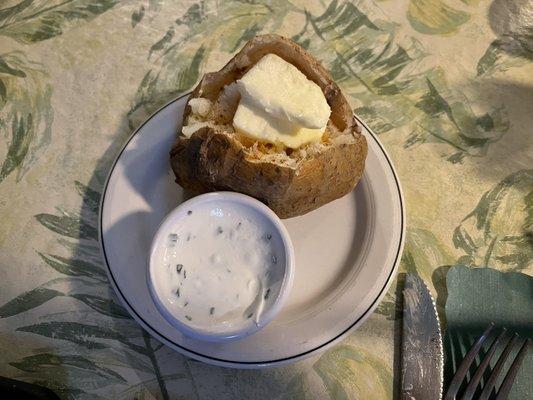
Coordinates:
[505,388]
[497,369]
[472,385]
[465,365]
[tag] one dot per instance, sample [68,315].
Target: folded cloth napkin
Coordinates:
[477,297]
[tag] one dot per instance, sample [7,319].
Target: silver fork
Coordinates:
[508,381]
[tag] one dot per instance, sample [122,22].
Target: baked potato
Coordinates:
[209,155]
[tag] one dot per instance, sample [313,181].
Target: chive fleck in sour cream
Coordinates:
[215,268]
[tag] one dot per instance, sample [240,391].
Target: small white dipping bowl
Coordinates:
[160,273]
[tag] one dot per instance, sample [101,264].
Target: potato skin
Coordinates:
[210,160]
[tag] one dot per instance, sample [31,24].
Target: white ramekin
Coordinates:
[247,327]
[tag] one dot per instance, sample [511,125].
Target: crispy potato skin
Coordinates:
[210,160]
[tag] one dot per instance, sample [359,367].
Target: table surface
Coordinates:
[446,84]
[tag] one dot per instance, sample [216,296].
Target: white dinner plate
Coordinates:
[347,251]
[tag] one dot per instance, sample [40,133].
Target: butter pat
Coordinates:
[279,88]
[259,125]
[280,105]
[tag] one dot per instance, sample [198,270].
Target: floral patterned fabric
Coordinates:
[446,84]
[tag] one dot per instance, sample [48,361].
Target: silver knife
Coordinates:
[422,356]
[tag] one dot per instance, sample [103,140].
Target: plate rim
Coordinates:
[249,364]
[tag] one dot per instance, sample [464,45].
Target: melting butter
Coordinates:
[280,105]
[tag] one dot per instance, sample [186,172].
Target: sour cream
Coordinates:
[218,266]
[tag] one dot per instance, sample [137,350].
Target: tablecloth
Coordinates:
[446,84]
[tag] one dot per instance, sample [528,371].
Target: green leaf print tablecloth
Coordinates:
[446,84]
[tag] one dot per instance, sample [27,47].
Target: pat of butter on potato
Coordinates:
[280,105]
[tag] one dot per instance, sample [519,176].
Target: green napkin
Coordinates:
[477,297]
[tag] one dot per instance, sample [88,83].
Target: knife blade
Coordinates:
[422,356]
